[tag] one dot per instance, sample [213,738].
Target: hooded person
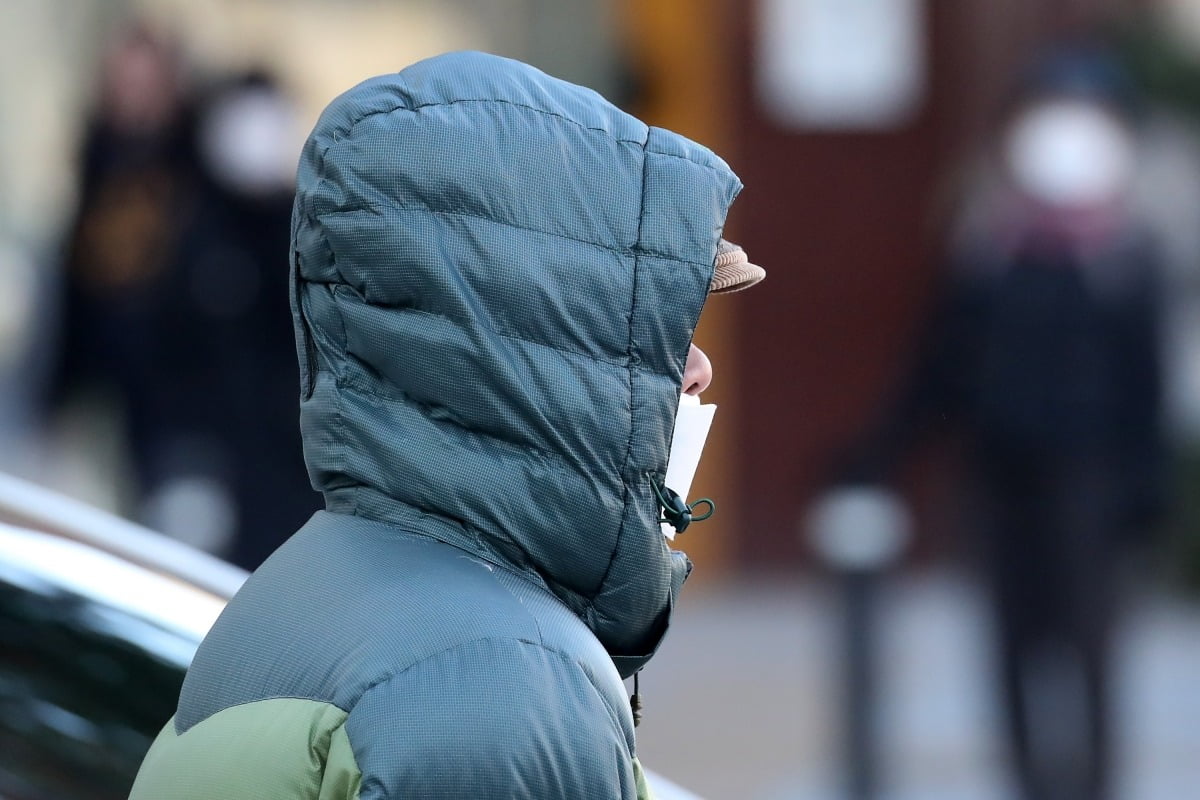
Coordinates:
[496,277]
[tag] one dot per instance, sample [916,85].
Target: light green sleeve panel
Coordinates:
[639,777]
[279,749]
[342,776]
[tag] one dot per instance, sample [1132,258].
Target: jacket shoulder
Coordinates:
[496,717]
[342,606]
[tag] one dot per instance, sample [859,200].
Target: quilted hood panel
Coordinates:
[496,277]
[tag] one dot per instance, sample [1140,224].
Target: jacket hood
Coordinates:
[496,277]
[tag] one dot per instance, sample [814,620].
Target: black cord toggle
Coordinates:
[678,514]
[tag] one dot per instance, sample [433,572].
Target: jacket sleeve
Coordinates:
[493,718]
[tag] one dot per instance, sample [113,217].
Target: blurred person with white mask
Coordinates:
[1043,354]
[137,183]
[175,296]
[232,318]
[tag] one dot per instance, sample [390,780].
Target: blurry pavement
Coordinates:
[742,700]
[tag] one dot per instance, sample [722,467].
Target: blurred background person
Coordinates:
[137,183]
[1044,352]
[175,297]
[232,314]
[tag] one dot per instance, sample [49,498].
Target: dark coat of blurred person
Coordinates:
[171,299]
[137,185]
[1044,353]
[236,319]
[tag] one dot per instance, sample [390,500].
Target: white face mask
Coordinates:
[1070,153]
[692,424]
[250,141]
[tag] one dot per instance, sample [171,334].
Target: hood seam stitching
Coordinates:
[502,331]
[354,123]
[627,494]
[552,460]
[371,206]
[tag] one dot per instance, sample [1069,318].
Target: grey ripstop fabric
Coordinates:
[496,277]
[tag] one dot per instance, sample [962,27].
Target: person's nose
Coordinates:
[697,373]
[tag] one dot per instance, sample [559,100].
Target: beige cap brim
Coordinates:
[734,271]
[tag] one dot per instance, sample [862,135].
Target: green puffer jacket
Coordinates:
[496,279]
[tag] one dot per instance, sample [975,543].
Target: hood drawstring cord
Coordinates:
[676,512]
[679,514]
[635,701]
